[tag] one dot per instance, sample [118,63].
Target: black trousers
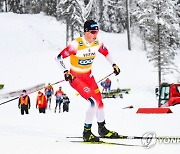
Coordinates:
[66,107]
[24,109]
[42,110]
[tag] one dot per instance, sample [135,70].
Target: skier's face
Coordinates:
[91,35]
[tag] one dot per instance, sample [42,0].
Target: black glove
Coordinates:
[68,76]
[116,69]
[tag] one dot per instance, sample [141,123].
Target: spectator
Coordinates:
[49,91]
[24,103]
[65,102]
[41,102]
[58,95]
[106,85]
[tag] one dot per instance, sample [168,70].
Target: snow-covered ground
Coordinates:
[28,46]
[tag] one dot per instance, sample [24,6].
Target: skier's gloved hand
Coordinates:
[68,76]
[116,69]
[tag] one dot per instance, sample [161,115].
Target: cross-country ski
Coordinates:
[105,143]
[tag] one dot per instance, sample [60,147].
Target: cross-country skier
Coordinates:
[82,52]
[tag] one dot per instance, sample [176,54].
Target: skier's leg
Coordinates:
[103,132]
[91,111]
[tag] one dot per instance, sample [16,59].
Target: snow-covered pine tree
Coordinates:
[178,12]
[14,6]
[92,10]
[72,12]
[157,19]
[113,16]
[49,7]
[1,6]
[33,6]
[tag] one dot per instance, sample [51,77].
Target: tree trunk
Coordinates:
[72,32]
[6,5]
[144,40]
[159,55]
[67,30]
[159,46]
[128,25]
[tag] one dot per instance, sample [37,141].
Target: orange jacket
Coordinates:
[24,100]
[41,101]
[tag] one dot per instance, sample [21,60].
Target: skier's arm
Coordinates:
[69,50]
[104,51]
[60,62]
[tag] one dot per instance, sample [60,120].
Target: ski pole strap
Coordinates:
[105,77]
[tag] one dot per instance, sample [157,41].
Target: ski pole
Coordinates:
[30,92]
[9,100]
[57,82]
[105,77]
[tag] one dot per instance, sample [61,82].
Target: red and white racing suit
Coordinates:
[82,55]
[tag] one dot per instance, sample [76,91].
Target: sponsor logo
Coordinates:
[94,25]
[89,54]
[86,89]
[85,62]
[80,43]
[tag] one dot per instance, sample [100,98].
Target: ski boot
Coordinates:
[105,133]
[88,136]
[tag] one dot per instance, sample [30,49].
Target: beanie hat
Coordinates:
[90,25]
